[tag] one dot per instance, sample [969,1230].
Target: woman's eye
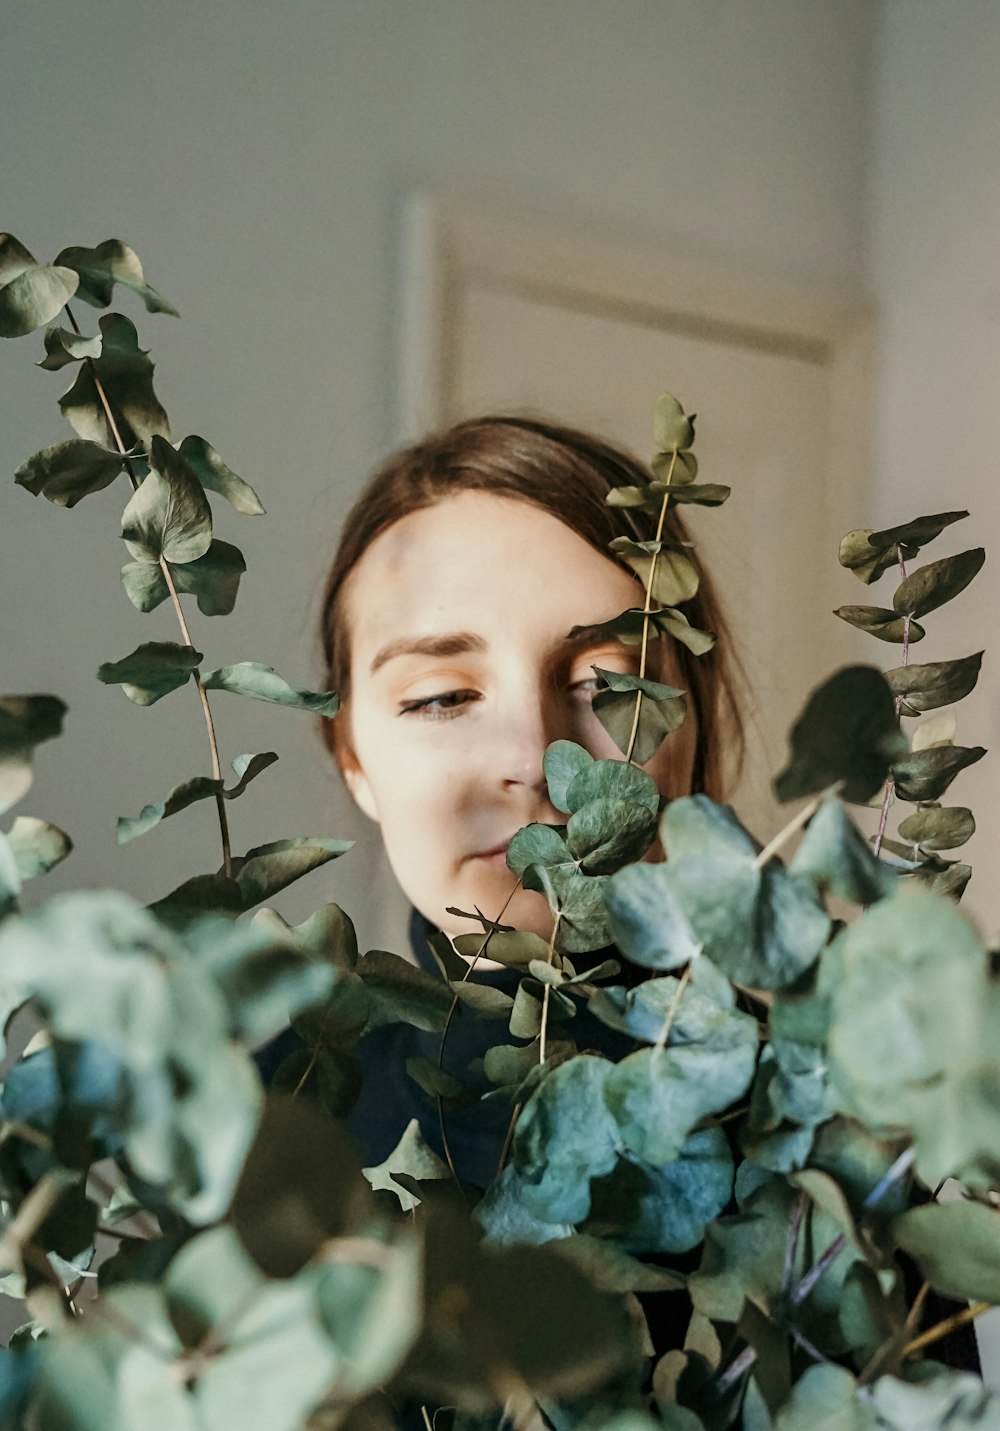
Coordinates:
[585,686]
[439,706]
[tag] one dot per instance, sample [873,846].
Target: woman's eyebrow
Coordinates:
[454,643]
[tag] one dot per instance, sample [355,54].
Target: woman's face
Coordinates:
[462,672]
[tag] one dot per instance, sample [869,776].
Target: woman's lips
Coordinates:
[496,855]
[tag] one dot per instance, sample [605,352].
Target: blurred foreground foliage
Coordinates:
[799,1076]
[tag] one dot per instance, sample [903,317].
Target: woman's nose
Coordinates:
[528,731]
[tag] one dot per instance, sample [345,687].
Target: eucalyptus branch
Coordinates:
[945,1328]
[890,783]
[164,565]
[547,990]
[793,1243]
[794,825]
[480,952]
[675,1003]
[647,609]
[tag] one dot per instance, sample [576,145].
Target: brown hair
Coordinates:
[567,473]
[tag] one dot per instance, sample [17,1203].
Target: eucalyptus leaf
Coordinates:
[942,1397]
[265,870]
[924,688]
[399,992]
[836,857]
[927,774]
[126,375]
[168,516]
[247,768]
[680,467]
[69,471]
[917,533]
[951,881]
[673,431]
[701,494]
[213,579]
[611,780]
[111,262]
[662,710]
[956,1247]
[647,920]
[25,722]
[848,734]
[562,762]
[37,846]
[938,828]
[201,787]
[411,1156]
[262,683]
[674,575]
[213,473]
[868,563]
[151,671]
[63,346]
[605,834]
[629,626]
[932,585]
[879,621]
[31,293]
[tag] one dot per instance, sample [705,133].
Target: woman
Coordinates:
[461,572]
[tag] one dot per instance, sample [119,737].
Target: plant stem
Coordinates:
[675,1003]
[795,823]
[646,611]
[509,1137]
[220,803]
[890,783]
[546,992]
[793,1243]
[446,1147]
[945,1328]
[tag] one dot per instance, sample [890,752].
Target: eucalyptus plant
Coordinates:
[794,1084]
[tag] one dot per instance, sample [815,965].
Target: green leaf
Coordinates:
[672,430]
[265,870]
[412,1157]
[682,468]
[956,1246]
[950,881]
[514,948]
[837,858]
[31,294]
[63,346]
[611,780]
[879,621]
[667,1209]
[201,787]
[932,585]
[37,846]
[301,1185]
[126,375]
[848,733]
[656,1096]
[213,473]
[111,262]
[868,563]
[763,927]
[213,579]
[913,535]
[647,921]
[68,471]
[247,768]
[925,688]
[957,1400]
[605,834]
[25,721]
[668,621]
[564,1137]
[562,762]
[675,578]
[826,1396]
[701,494]
[399,992]
[926,774]
[151,671]
[262,683]
[662,710]
[938,828]
[169,515]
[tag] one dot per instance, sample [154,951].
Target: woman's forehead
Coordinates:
[472,562]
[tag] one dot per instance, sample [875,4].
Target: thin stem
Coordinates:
[735,1370]
[809,1348]
[547,990]
[793,1244]
[35,1208]
[897,1340]
[675,1003]
[446,1147]
[213,743]
[795,824]
[509,1138]
[945,1328]
[647,608]
[890,784]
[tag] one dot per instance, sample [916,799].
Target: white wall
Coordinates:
[256,156]
[935,255]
